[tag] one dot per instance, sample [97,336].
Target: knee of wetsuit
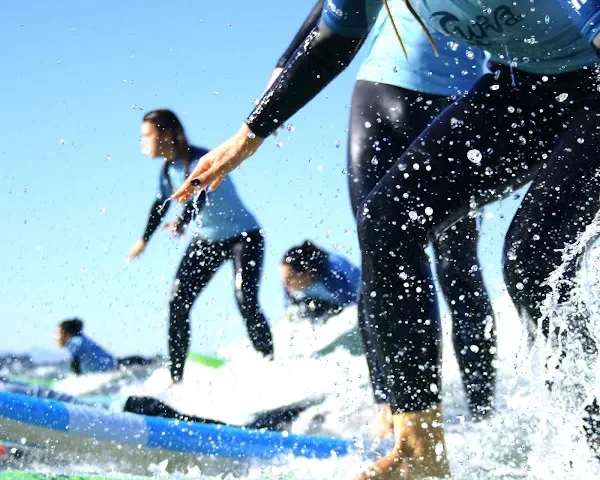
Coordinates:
[384,226]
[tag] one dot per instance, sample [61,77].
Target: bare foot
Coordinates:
[419,452]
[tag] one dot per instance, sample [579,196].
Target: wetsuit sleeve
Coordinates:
[157,213]
[191,208]
[309,24]
[324,54]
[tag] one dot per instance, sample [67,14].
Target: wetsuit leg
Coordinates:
[384,121]
[478,150]
[561,203]
[473,325]
[198,265]
[248,252]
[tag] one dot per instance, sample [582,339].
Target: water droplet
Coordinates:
[373,294]
[562,97]
[428,211]
[511,109]
[337,144]
[547,19]
[495,87]
[107,157]
[474,156]
[520,286]
[279,144]
[489,171]
[536,237]
[290,127]
[374,161]
[413,215]
[251,135]
[62,141]
[367,124]
[580,140]
[401,167]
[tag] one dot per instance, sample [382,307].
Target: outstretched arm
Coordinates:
[323,55]
[157,213]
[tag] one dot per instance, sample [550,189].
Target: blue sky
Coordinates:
[75,81]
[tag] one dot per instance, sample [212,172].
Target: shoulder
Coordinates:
[75,343]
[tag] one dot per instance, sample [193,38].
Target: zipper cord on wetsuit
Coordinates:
[418,19]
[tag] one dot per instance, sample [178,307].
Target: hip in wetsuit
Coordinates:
[227,230]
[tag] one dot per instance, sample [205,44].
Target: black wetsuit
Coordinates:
[396,116]
[512,128]
[384,121]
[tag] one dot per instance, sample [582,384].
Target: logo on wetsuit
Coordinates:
[498,20]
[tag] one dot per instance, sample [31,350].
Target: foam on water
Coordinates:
[536,433]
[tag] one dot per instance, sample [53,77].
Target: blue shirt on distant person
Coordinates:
[92,357]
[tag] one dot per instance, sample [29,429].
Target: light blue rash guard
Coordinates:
[453,72]
[536,36]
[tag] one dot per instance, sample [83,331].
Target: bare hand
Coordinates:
[136,250]
[212,167]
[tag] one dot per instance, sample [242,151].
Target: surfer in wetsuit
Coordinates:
[318,284]
[514,126]
[226,230]
[86,355]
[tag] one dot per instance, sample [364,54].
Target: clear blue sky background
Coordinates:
[75,80]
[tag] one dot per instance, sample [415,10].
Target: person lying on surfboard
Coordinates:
[86,355]
[317,284]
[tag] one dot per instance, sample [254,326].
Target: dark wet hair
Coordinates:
[306,257]
[73,326]
[164,119]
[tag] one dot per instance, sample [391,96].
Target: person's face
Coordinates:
[295,281]
[153,140]
[61,337]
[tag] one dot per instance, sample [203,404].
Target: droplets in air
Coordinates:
[368,125]
[290,128]
[428,211]
[580,140]
[251,135]
[337,144]
[374,161]
[474,156]
[511,109]
[495,87]
[107,157]
[470,54]
[562,97]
